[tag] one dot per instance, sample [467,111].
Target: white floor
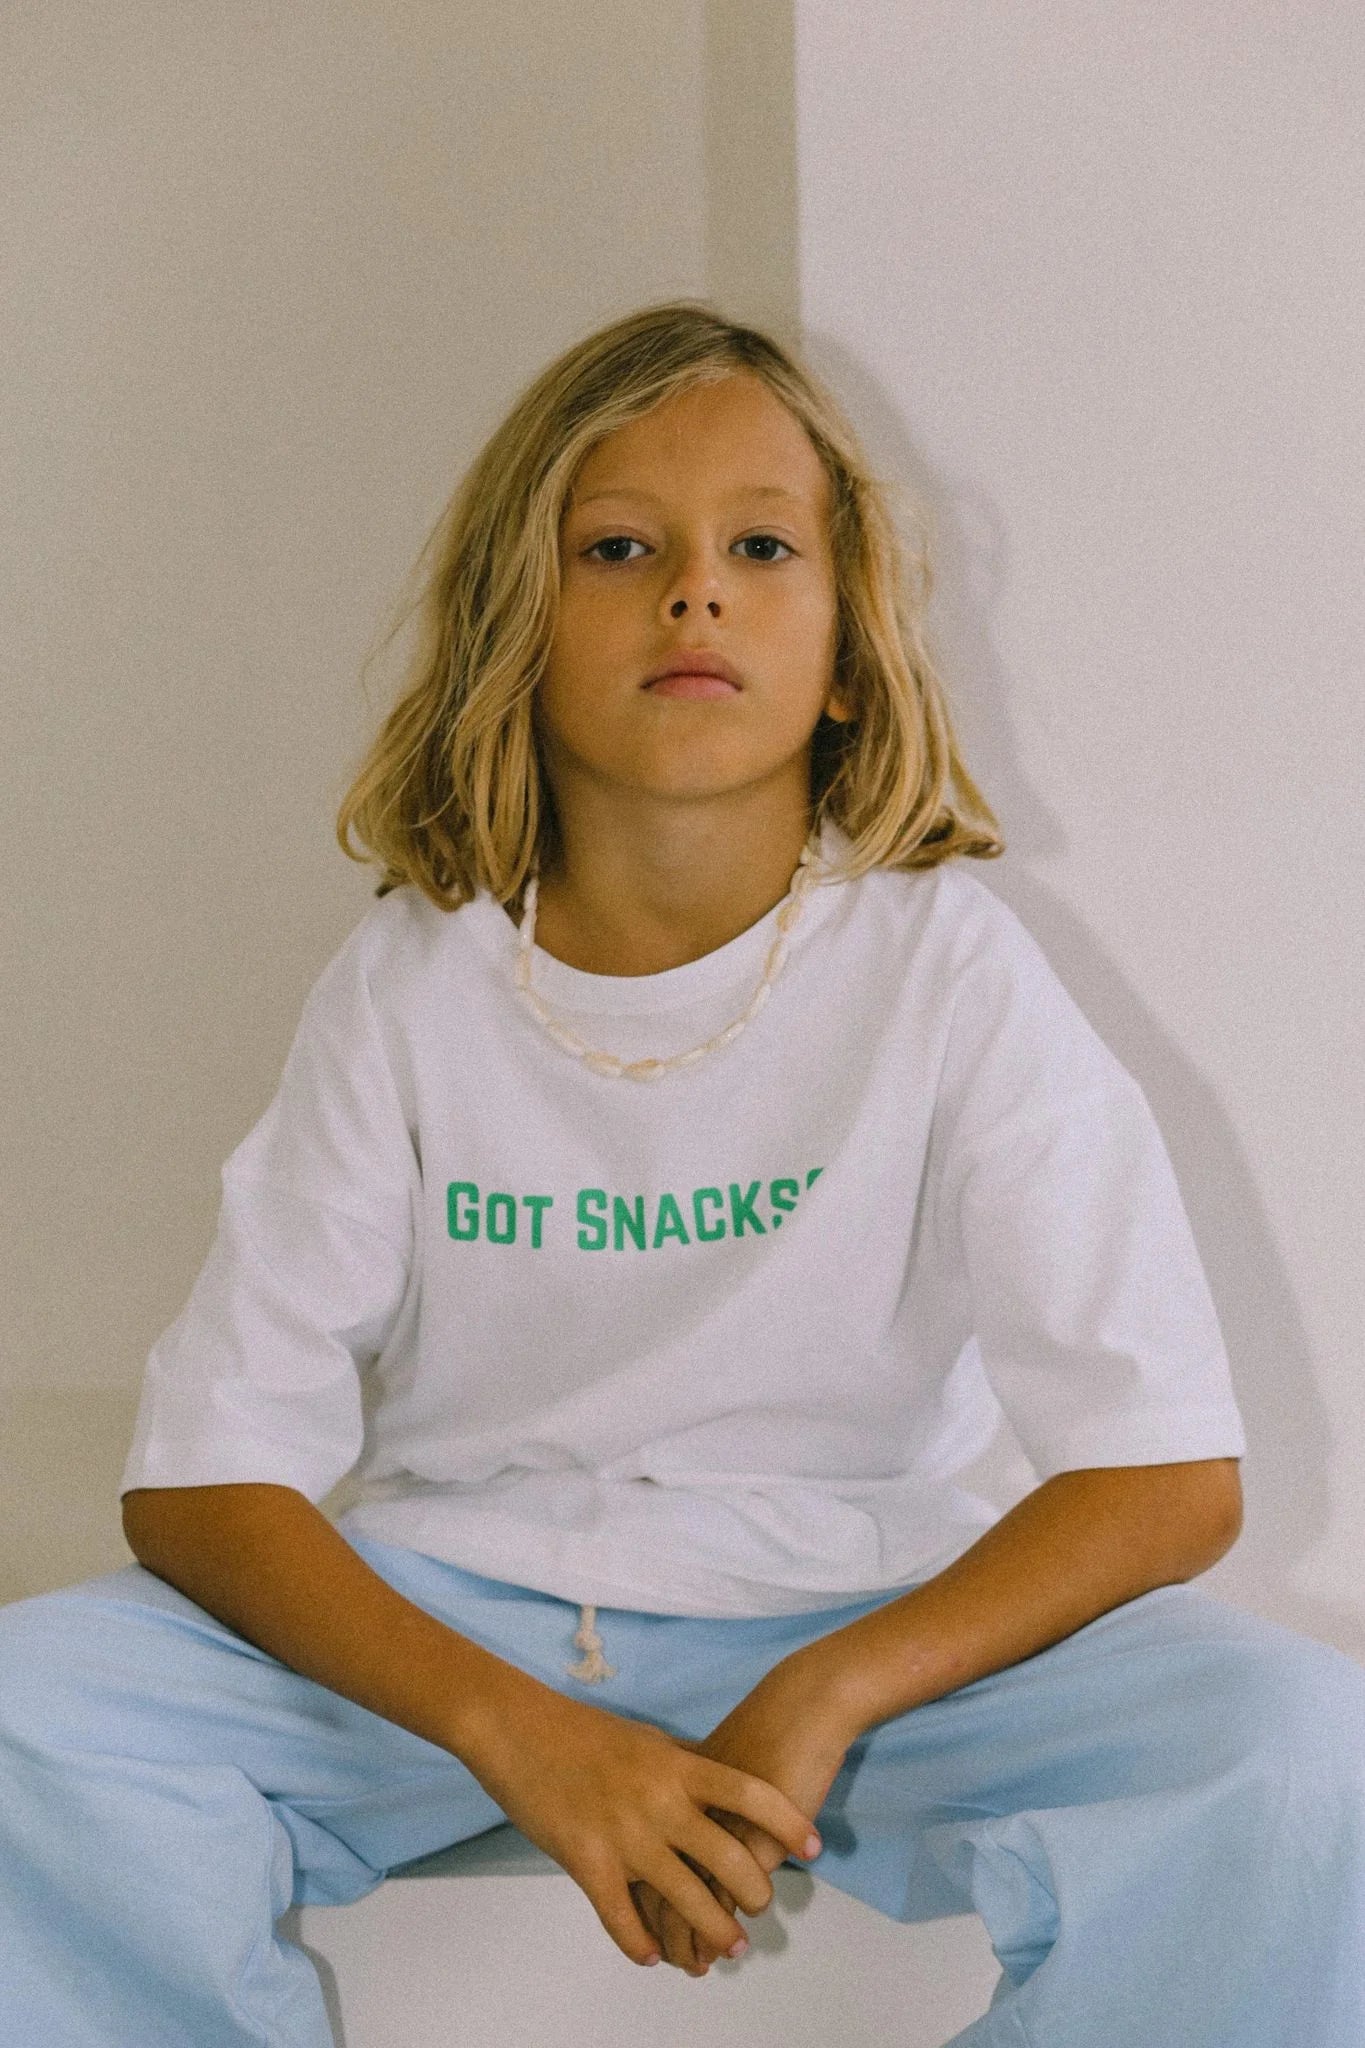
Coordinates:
[481,1960]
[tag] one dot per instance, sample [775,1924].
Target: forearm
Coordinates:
[270,1565]
[1078,1545]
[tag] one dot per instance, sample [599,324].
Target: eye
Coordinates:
[614,540]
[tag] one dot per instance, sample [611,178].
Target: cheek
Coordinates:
[576,632]
[803,612]
[804,644]
[592,624]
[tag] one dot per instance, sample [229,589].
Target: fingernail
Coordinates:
[812,1845]
[650,1960]
[738,1948]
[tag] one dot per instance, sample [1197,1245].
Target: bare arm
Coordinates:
[267,1562]
[614,1800]
[1079,1544]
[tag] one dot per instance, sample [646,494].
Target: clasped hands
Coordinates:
[775,1734]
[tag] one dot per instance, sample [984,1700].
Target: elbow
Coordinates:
[144,1517]
[1222,1524]
[1233,1506]
[159,1522]
[130,1512]
[1217,1547]
[1232,1530]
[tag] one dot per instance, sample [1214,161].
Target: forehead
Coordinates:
[732,441]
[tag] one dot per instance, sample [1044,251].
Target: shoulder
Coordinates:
[400,946]
[954,925]
[981,918]
[1010,1009]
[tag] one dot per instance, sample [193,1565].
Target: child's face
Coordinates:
[677,494]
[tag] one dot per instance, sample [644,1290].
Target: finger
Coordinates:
[648,1904]
[732,1863]
[673,1933]
[756,1800]
[765,1849]
[703,1950]
[616,1909]
[692,1898]
[677,1940]
[747,1831]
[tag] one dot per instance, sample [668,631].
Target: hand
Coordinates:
[786,1734]
[618,1802]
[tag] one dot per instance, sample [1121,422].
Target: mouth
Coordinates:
[690,683]
[692,666]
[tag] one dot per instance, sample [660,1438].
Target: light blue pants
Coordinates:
[1160,1820]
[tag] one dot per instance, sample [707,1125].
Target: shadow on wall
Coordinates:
[62,1452]
[1277,1366]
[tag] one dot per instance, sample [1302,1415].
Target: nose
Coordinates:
[696,583]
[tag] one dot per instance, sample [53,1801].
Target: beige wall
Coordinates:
[272,278]
[1091,278]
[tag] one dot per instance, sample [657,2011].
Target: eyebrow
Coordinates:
[648,497]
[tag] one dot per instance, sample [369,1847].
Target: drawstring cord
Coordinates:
[594,1665]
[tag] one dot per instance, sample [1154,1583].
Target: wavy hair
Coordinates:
[451,795]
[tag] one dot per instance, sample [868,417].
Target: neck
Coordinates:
[635,916]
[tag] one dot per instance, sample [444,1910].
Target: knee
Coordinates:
[1294,1705]
[41,1645]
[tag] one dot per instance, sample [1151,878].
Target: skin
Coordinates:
[683,821]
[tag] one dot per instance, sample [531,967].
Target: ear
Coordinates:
[837,707]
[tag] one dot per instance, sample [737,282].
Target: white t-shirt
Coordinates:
[712,1344]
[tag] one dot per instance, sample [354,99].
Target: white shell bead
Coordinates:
[610,1063]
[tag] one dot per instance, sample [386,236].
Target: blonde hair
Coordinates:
[451,794]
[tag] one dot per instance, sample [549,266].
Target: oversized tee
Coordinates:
[716,1343]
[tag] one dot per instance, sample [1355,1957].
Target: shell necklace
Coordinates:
[594,1667]
[650,1070]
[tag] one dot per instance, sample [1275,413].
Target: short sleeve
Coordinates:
[260,1375]
[1096,1327]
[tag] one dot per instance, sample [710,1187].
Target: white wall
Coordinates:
[1090,278]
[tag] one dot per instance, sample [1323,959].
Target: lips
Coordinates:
[696,663]
[692,685]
